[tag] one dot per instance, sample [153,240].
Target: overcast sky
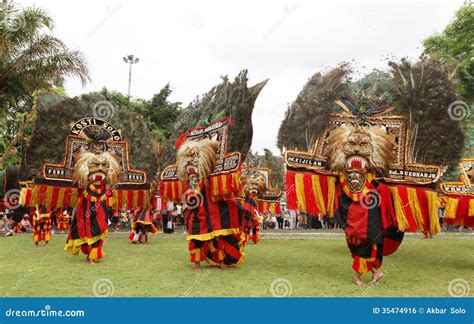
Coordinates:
[190,44]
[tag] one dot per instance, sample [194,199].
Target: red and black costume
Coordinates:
[142,223]
[42,225]
[63,219]
[251,222]
[369,222]
[214,232]
[89,225]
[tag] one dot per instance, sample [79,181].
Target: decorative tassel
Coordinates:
[310,198]
[300,194]
[415,208]
[451,208]
[433,206]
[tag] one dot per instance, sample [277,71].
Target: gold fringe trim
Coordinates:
[451,208]
[300,195]
[74,246]
[331,195]
[213,234]
[399,212]
[93,255]
[415,207]
[433,206]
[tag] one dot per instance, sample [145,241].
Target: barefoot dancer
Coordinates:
[94,173]
[357,181]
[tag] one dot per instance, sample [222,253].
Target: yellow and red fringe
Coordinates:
[213,234]
[221,187]
[416,208]
[460,210]
[74,246]
[272,207]
[310,192]
[60,197]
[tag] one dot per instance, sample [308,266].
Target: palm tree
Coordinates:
[31,59]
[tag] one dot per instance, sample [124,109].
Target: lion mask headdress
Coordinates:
[196,161]
[254,183]
[362,147]
[92,167]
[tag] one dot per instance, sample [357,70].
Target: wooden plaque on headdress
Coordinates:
[216,131]
[95,136]
[270,192]
[465,185]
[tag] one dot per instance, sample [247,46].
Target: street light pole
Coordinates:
[130,59]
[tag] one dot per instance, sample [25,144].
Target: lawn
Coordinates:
[295,265]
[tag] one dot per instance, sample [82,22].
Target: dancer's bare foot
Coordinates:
[197,265]
[223,266]
[358,280]
[377,276]
[36,243]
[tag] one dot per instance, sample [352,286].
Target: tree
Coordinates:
[31,59]
[276,164]
[159,113]
[454,45]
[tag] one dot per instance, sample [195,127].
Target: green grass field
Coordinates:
[298,265]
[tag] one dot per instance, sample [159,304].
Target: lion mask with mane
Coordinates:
[360,147]
[91,167]
[254,184]
[196,161]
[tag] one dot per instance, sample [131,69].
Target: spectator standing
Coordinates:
[179,212]
[279,219]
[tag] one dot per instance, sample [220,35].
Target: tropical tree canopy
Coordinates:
[454,45]
[31,59]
